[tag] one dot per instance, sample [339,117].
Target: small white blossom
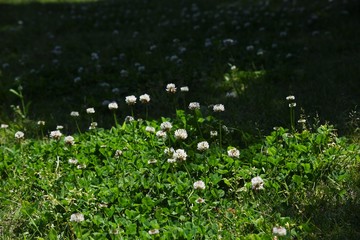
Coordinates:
[171,88]
[93,125]
[77,217]
[200,200]
[199,185]
[180,154]
[279,231]
[3,126]
[203,146]
[129,119]
[59,127]
[169,151]
[290,98]
[55,134]
[41,123]
[145,98]
[257,183]
[218,108]
[113,106]
[152,161]
[194,106]
[171,160]
[74,114]
[69,140]
[81,166]
[154,231]
[150,129]
[184,89]
[181,134]
[213,133]
[302,120]
[161,134]
[118,153]
[291,105]
[90,110]
[73,161]
[166,126]
[19,135]
[233,152]
[130,100]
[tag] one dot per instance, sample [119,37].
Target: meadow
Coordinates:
[139,119]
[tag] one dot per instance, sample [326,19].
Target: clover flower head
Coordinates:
[180,154]
[93,125]
[129,119]
[290,98]
[184,89]
[161,134]
[292,105]
[145,98]
[130,100]
[90,110]
[77,217]
[218,108]
[171,160]
[203,146]
[154,231]
[74,114]
[199,185]
[279,231]
[118,153]
[59,127]
[69,140]
[200,200]
[181,134]
[73,161]
[213,133]
[166,126]
[257,183]
[194,106]
[41,123]
[150,129]
[169,151]
[4,126]
[171,88]
[19,135]
[113,106]
[233,152]
[55,134]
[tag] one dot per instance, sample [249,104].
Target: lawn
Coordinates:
[179,120]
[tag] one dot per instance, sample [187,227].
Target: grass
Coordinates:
[248,55]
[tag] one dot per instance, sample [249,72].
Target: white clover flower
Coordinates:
[291,105]
[257,183]
[74,114]
[152,161]
[203,146]
[118,153]
[154,231]
[55,134]
[129,119]
[41,123]
[161,134]
[59,127]
[171,160]
[213,133]
[77,217]
[73,161]
[145,98]
[200,200]
[279,231]
[150,129]
[113,106]
[218,108]
[81,166]
[19,135]
[4,126]
[199,185]
[194,106]
[171,88]
[93,125]
[180,154]
[130,100]
[166,126]
[90,110]
[184,89]
[69,140]
[169,151]
[302,120]
[290,98]
[233,152]
[181,134]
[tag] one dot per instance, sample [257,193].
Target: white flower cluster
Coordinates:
[171,88]
[166,126]
[77,217]
[130,100]
[150,129]
[203,146]
[181,134]
[279,231]
[69,140]
[19,135]
[90,110]
[55,134]
[145,98]
[180,154]
[257,183]
[199,185]
[194,106]
[113,106]
[218,108]
[233,152]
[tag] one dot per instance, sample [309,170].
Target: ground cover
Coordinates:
[97,144]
